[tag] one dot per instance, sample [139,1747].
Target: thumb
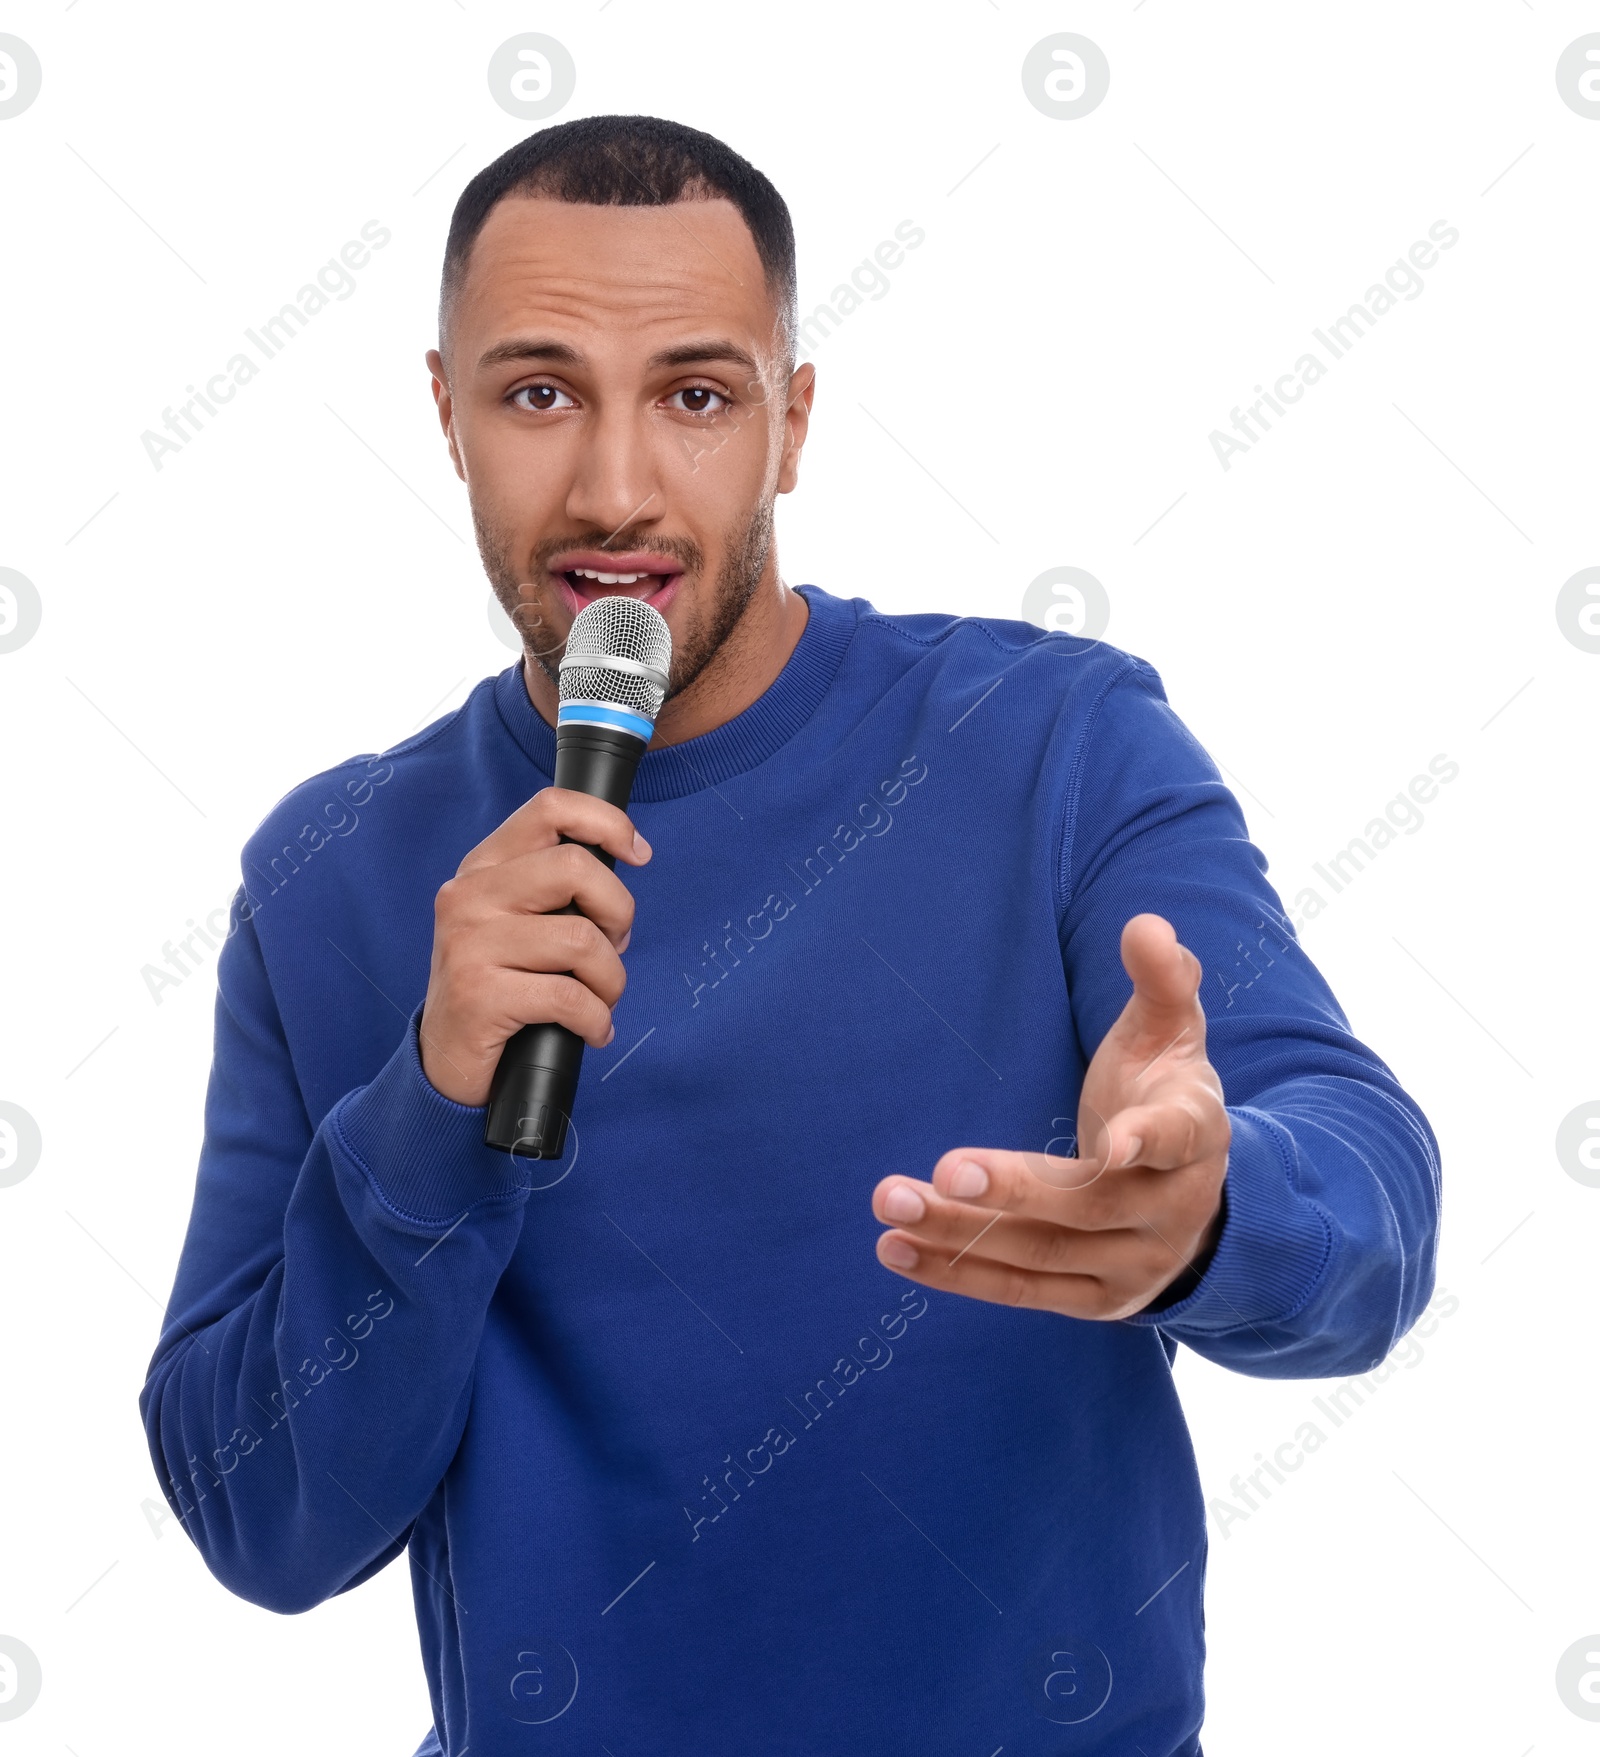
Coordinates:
[1166,977]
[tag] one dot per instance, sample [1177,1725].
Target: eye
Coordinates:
[541,397]
[699,399]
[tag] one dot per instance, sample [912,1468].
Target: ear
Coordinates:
[444,403]
[796,424]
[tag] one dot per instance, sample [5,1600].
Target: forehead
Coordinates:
[647,273]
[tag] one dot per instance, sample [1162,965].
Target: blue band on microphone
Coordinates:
[604,714]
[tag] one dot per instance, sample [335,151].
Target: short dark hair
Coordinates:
[628,161]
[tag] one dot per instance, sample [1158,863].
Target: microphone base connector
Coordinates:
[529,1107]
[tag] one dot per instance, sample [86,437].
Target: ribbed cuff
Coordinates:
[423,1153]
[1274,1248]
[1179,1289]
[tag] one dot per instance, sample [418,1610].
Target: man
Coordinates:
[691,1455]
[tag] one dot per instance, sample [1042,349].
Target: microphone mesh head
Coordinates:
[619,651]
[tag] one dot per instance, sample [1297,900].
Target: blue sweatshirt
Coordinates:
[682,1470]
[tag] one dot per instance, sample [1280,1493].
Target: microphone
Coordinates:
[613,680]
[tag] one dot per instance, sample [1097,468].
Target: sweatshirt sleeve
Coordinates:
[1331,1199]
[312,1381]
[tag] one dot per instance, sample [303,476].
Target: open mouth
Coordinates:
[651,578]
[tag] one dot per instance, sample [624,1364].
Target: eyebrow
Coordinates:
[557,353]
[562,354]
[705,353]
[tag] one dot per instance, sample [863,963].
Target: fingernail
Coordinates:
[622,944]
[968,1180]
[609,1036]
[903,1203]
[641,848]
[1130,1153]
[898,1253]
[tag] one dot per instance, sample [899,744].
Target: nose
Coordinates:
[614,482]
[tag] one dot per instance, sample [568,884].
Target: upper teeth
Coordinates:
[610,579]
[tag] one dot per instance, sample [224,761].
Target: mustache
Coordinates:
[684,551]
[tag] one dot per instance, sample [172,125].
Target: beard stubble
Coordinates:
[695,644]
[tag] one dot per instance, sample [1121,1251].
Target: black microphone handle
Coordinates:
[536,1082]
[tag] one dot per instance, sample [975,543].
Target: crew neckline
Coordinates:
[730,749]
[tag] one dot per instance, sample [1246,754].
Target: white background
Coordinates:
[1372,584]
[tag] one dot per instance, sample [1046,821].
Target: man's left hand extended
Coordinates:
[1103,1235]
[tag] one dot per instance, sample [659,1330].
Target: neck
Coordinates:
[741,670]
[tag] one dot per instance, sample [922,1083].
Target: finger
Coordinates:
[1073,1295]
[1109,1149]
[563,1000]
[1169,1134]
[950,1231]
[524,999]
[551,814]
[539,883]
[1166,981]
[555,945]
[1042,1186]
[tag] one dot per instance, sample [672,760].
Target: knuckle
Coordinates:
[612,899]
[1017,1288]
[1088,1296]
[588,1006]
[1116,1300]
[1041,1249]
[1090,1205]
[573,933]
[538,998]
[1195,1120]
[561,999]
[451,948]
[1102,1302]
[575,860]
[1011,1189]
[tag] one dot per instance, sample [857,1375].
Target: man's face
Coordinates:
[617,399]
